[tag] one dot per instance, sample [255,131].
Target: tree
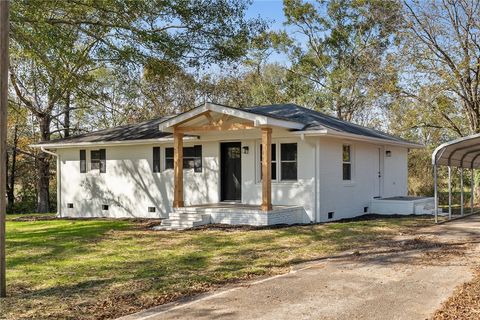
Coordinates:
[57,46]
[12,170]
[270,83]
[345,55]
[40,78]
[442,47]
[20,161]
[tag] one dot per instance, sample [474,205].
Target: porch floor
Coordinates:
[234,213]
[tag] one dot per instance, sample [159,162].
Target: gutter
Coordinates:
[59,180]
[109,143]
[338,134]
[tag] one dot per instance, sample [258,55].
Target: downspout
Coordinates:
[59,180]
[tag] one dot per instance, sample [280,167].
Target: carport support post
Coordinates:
[449,192]
[472,187]
[435,188]
[461,191]
[178,169]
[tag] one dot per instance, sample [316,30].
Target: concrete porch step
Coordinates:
[188,216]
[185,210]
[179,220]
[183,224]
[175,225]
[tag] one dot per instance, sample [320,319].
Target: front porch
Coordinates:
[234,214]
[211,119]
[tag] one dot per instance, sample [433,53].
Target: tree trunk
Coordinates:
[66,119]
[7,184]
[12,173]
[43,168]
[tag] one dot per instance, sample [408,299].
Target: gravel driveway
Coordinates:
[407,278]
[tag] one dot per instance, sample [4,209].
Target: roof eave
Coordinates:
[107,143]
[357,137]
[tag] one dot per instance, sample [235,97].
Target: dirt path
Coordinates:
[407,278]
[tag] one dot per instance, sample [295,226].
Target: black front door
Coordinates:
[231,171]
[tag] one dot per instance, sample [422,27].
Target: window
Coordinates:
[192,158]
[152,209]
[104,207]
[156,159]
[98,160]
[288,161]
[95,159]
[83,161]
[347,162]
[274,161]
[70,205]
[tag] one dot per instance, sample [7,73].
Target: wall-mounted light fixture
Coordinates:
[245,150]
[388,153]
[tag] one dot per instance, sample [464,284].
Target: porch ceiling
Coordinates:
[213,121]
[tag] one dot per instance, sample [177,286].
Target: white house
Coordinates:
[208,165]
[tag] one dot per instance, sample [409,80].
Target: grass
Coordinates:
[102,269]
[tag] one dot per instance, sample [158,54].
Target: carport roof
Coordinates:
[463,152]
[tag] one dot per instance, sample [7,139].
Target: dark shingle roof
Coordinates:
[312,120]
[138,131]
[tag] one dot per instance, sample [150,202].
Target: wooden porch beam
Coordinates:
[203,114]
[178,169]
[217,127]
[266,169]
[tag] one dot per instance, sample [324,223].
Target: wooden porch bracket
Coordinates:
[178,169]
[266,169]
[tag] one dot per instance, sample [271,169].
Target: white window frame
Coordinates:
[278,161]
[92,159]
[163,164]
[160,167]
[351,162]
[259,163]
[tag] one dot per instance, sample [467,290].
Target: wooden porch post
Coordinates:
[178,169]
[266,169]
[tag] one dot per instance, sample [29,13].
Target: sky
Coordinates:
[271,10]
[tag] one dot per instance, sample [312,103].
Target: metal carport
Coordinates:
[463,153]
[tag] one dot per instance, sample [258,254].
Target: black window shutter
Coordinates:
[198,158]
[103,161]
[83,161]
[156,159]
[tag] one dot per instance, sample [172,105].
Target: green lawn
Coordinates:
[91,269]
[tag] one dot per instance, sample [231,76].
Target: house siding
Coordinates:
[348,199]
[129,186]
